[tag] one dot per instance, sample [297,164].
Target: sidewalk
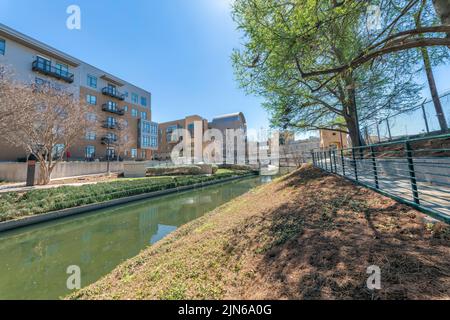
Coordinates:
[56,183]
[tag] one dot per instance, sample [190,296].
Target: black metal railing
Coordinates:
[109,125]
[108,108]
[108,91]
[49,70]
[108,140]
[415,171]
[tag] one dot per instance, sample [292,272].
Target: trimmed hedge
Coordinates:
[14,205]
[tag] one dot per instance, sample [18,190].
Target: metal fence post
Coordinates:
[313,159]
[374,165]
[325,157]
[354,162]
[343,162]
[425,118]
[389,129]
[412,172]
[378,133]
[331,160]
[319,159]
[334,161]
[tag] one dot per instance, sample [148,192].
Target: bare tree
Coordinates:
[8,93]
[44,121]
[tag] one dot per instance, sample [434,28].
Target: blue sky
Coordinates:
[177,49]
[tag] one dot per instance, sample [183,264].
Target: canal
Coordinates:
[34,260]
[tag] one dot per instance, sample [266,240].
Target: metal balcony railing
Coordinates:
[49,70]
[106,107]
[108,140]
[113,93]
[109,125]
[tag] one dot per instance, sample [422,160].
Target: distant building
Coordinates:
[333,139]
[234,121]
[294,153]
[168,139]
[286,137]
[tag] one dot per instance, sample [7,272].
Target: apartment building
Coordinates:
[109,99]
[236,122]
[167,139]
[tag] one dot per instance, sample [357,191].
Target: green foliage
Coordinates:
[286,40]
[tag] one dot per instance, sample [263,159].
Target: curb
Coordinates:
[45,217]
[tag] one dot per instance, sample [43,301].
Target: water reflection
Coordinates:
[34,260]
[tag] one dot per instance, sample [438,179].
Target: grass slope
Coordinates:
[306,236]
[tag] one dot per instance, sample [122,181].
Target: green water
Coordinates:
[34,260]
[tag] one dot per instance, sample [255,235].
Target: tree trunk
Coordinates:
[434,93]
[432,83]
[353,131]
[44,173]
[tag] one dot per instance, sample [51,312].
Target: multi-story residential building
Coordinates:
[107,97]
[168,139]
[236,122]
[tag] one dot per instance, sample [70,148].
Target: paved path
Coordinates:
[434,193]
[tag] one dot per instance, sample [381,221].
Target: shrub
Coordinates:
[14,204]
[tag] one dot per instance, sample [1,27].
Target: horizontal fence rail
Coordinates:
[416,171]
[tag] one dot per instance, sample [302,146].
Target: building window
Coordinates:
[43,63]
[58,150]
[62,69]
[90,135]
[92,81]
[112,106]
[111,121]
[154,142]
[90,152]
[92,117]
[170,136]
[134,98]
[41,82]
[144,101]
[111,153]
[125,108]
[92,100]
[143,154]
[191,128]
[144,115]
[2,47]
[134,113]
[134,153]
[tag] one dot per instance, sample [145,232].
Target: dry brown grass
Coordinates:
[306,236]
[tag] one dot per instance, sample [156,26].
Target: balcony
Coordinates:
[109,125]
[107,91]
[108,140]
[48,70]
[106,107]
